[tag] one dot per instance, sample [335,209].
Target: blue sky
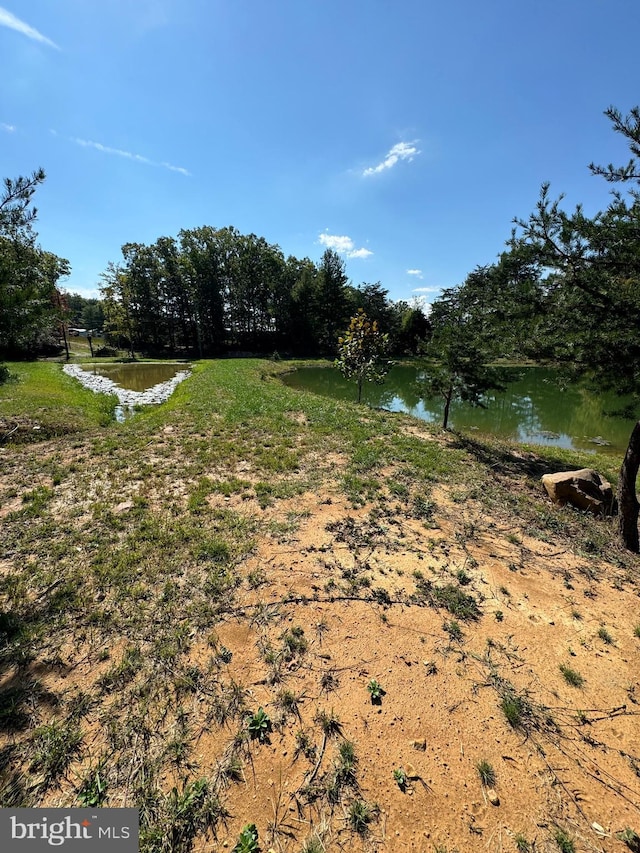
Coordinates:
[405,135]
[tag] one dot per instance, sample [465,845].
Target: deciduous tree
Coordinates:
[362,352]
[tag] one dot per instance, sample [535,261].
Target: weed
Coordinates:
[514,709]
[294,643]
[329,723]
[454,630]
[313,845]
[522,845]
[256,578]
[463,578]
[400,777]
[563,840]
[229,703]
[636,631]
[450,597]
[376,691]
[259,725]
[499,615]
[54,748]
[224,655]
[305,746]
[120,674]
[229,769]
[287,702]
[487,773]
[247,840]
[630,838]
[361,814]
[571,676]
[93,791]
[605,636]
[329,681]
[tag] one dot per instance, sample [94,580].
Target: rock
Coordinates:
[411,772]
[584,489]
[419,744]
[493,798]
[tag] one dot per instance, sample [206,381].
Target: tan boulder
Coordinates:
[585,489]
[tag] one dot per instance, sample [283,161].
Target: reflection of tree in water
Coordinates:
[536,407]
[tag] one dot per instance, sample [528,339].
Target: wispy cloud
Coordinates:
[401,151]
[10,128]
[8,19]
[416,273]
[344,245]
[426,289]
[129,155]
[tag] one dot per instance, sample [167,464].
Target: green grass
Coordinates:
[487,773]
[571,676]
[50,403]
[133,548]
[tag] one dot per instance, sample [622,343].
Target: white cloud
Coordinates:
[417,273]
[426,290]
[344,245]
[7,19]
[401,151]
[10,128]
[138,158]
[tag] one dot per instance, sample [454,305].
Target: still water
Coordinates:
[535,408]
[136,376]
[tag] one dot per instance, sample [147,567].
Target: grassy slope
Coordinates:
[148,604]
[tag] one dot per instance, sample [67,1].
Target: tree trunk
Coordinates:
[627,500]
[447,405]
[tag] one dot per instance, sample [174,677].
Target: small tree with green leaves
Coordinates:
[457,353]
[362,352]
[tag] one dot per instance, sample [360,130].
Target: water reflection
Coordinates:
[535,407]
[137,376]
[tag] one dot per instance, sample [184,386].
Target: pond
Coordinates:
[136,376]
[134,384]
[535,408]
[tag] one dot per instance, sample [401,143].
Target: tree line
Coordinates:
[215,290]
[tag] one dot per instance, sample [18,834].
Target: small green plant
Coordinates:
[329,723]
[630,838]
[636,631]
[563,840]
[93,791]
[571,676]
[247,840]
[55,746]
[513,708]
[487,773]
[305,746]
[377,691]
[463,578]
[522,845]
[605,636]
[361,814]
[294,643]
[400,776]
[499,615]
[259,725]
[454,630]
[329,681]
